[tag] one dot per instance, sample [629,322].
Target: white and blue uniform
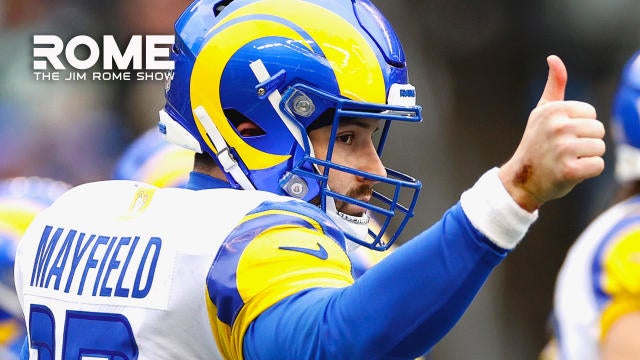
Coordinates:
[21,199]
[599,281]
[221,273]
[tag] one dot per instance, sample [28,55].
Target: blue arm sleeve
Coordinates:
[397,310]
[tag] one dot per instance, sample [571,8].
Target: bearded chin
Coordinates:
[355,226]
[341,208]
[360,192]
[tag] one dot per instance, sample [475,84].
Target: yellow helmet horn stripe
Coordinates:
[206,77]
[348,52]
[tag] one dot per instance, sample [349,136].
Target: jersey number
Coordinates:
[86,334]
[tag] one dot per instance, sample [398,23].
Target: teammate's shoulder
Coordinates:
[609,227]
[624,221]
[619,245]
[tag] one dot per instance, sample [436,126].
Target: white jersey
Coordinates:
[598,281]
[126,286]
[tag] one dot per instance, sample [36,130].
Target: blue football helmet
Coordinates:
[153,160]
[21,199]
[626,122]
[283,64]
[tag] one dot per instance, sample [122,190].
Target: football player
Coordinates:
[597,295]
[287,105]
[21,199]
[152,160]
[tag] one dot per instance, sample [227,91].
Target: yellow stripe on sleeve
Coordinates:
[267,273]
[621,279]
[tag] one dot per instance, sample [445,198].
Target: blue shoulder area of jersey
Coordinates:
[411,300]
[307,210]
[221,280]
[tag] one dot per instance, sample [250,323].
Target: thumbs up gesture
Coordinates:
[562,145]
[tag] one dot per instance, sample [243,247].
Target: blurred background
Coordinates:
[479,68]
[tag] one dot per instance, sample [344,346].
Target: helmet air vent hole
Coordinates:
[243,125]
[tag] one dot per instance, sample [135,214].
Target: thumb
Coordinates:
[556,82]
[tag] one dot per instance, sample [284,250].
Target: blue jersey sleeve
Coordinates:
[397,310]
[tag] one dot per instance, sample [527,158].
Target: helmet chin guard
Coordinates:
[386,204]
[354,227]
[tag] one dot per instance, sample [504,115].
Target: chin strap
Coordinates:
[228,163]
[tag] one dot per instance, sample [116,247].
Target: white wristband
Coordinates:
[494,213]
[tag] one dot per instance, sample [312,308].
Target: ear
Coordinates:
[248,129]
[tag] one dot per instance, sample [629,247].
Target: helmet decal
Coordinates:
[206,78]
[291,67]
[287,22]
[314,19]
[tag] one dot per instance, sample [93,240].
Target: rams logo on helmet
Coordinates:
[283,64]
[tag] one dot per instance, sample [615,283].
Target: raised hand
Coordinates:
[562,145]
